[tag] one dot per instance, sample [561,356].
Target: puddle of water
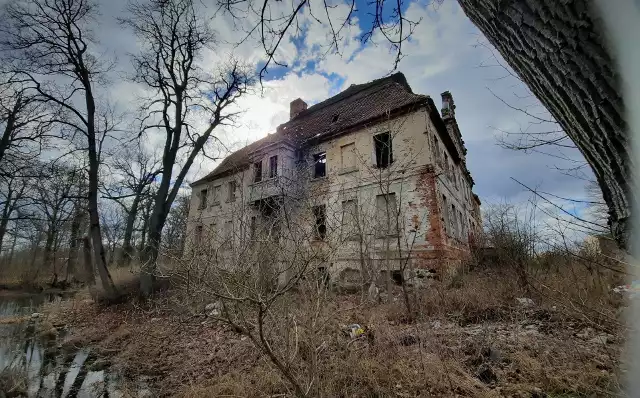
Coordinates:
[37,357]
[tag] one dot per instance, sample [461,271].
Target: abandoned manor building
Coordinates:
[376,174]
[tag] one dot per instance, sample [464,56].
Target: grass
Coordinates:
[471,339]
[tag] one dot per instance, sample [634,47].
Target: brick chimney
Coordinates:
[448,108]
[297,106]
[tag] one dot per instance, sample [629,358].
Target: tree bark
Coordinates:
[89,275]
[94,217]
[558,49]
[127,247]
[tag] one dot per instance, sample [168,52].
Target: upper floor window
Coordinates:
[203,198]
[216,194]
[383,149]
[348,156]
[273,166]
[436,149]
[320,165]
[257,171]
[231,193]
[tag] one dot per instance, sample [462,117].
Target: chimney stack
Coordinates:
[448,107]
[297,106]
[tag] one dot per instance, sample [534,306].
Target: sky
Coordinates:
[445,52]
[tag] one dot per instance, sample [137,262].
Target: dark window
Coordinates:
[320,165]
[203,198]
[384,151]
[273,166]
[257,167]
[445,214]
[320,215]
[397,277]
[231,197]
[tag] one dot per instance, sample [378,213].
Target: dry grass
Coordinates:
[472,339]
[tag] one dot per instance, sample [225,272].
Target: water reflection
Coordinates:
[34,363]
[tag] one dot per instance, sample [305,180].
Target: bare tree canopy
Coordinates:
[49,46]
[171,66]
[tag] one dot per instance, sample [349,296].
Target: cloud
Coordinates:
[441,55]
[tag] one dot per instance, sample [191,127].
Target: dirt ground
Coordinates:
[518,350]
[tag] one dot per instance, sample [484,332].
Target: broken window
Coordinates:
[386,214]
[216,194]
[454,221]
[445,214]
[350,218]
[203,198]
[257,171]
[383,149]
[436,149]
[320,215]
[231,192]
[273,166]
[348,157]
[320,165]
[397,277]
[198,235]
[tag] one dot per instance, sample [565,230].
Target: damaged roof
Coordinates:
[358,104]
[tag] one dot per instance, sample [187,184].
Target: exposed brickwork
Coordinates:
[438,251]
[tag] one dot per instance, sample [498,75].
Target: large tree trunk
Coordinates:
[558,49]
[48,249]
[152,248]
[92,203]
[127,247]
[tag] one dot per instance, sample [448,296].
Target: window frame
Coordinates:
[318,164]
[273,166]
[204,193]
[379,147]
[257,171]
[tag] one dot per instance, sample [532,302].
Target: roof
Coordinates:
[358,104]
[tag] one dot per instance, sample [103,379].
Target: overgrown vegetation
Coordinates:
[518,320]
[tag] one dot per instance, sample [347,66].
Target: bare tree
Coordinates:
[136,171]
[557,49]
[13,191]
[175,233]
[53,203]
[23,120]
[51,48]
[174,39]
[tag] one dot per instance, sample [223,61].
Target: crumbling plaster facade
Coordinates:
[427,184]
